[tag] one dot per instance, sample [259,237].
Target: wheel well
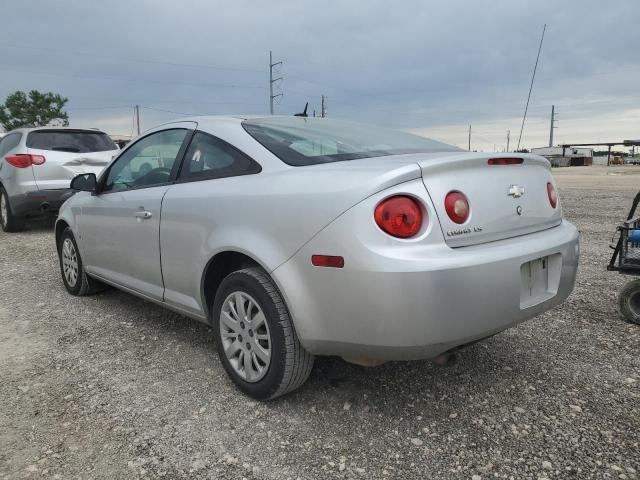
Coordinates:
[60,226]
[221,265]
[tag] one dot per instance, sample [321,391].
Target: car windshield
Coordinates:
[300,141]
[74,141]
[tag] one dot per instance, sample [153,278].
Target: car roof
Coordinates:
[222,118]
[76,129]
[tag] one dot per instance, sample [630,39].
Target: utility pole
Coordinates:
[469,138]
[323,107]
[553,113]
[508,135]
[272,81]
[138,118]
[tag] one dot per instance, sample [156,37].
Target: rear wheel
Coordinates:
[8,221]
[630,302]
[76,281]
[255,337]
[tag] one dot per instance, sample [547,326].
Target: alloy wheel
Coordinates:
[69,262]
[245,336]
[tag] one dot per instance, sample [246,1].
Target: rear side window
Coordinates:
[75,141]
[209,157]
[9,142]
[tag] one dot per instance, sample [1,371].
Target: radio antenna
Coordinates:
[533,77]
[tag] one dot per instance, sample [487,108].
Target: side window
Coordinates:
[210,157]
[9,143]
[147,162]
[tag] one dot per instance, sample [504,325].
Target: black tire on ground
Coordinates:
[290,363]
[630,302]
[12,223]
[83,284]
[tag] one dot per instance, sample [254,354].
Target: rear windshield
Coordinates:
[300,141]
[75,141]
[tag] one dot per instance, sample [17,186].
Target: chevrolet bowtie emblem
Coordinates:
[515,191]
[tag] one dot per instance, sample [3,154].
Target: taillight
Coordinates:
[24,160]
[399,216]
[553,196]
[505,161]
[457,206]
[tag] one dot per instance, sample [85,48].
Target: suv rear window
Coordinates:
[75,141]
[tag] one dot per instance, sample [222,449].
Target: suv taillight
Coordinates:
[24,160]
[399,216]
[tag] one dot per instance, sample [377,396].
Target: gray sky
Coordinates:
[434,67]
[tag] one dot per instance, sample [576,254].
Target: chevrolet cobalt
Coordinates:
[294,237]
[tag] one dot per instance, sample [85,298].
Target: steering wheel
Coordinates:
[157,175]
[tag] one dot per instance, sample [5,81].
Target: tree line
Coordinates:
[33,109]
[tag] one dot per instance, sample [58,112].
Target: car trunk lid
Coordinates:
[505,200]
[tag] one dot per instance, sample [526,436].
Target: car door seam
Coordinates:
[164,288]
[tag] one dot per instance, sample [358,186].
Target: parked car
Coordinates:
[37,165]
[294,237]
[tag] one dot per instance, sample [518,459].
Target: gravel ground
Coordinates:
[112,387]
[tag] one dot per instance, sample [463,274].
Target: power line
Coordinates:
[133,60]
[135,80]
[172,111]
[156,101]
[178,64]
[98,108]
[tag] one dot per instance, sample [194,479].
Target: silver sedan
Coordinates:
[294,237]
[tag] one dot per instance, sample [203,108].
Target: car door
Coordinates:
[120,225]
[213,177]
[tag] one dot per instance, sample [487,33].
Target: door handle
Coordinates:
[143,215]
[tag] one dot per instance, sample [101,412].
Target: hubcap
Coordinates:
[245,336]
[69,262]
[4,213]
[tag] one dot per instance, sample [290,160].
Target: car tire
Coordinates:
[75,280]
[8,221]
[248,299]
[630,302]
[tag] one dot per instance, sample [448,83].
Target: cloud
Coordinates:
[436,66]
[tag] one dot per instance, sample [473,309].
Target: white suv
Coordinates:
[37,165]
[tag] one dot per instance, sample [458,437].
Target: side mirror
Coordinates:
[85,182]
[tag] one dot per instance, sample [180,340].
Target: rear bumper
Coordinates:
[39,201]
[384,305]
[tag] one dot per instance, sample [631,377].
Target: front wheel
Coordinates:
[76,281]
[255,337]
[630,302]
